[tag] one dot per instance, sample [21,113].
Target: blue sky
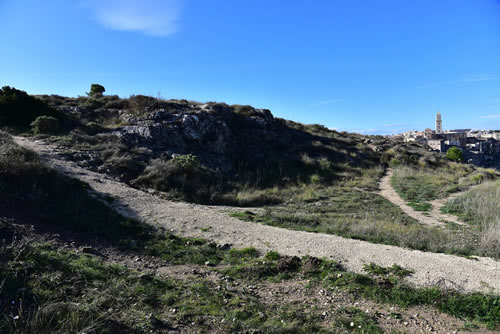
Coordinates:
[379,66]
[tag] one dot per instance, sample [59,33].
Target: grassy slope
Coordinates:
[352,212]
[48,289]
[325,181]
[425,184]
[294,153]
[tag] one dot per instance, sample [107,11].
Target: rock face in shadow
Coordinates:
[214,132]
[123,137]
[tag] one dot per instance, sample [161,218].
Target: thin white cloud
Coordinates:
[483,77]
[490,116]
[362,131]
[465,80]
[386,129]
[152,17]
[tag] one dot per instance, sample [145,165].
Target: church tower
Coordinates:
[439,123]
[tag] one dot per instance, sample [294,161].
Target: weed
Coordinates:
[419,206]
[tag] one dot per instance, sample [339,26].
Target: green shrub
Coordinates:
[18,109]
[45,124]
[186,162]
[454,154]
[96,90]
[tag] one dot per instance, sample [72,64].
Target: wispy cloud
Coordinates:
[490,116]
[482,77]
[363,131]
[152,17]
[464,80]
[385,129]
[331,101]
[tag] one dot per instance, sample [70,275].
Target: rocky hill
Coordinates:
[83,250]
[202,152]
[207,149]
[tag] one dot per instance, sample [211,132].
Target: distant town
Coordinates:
[479,147]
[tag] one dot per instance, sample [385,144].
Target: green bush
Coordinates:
[454,154]
[187,162]
[96,90]
[45,124]
[18,109]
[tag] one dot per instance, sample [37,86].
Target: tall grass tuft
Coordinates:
[481,207]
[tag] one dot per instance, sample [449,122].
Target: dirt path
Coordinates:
[213,223]
[434,217]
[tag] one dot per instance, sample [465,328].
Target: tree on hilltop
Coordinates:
[96,90]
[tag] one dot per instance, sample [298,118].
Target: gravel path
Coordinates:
[433,217]
[186,219]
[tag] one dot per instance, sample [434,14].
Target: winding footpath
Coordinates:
[213,223]
[434,217]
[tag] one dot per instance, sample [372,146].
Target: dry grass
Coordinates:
[426,184]
[481,207]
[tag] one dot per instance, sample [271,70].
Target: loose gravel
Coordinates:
[213,223]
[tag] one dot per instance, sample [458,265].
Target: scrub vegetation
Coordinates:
[327,182]
[480,207]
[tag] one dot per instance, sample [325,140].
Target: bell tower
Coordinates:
[439,123]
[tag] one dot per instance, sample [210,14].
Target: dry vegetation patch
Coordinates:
[480,207]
